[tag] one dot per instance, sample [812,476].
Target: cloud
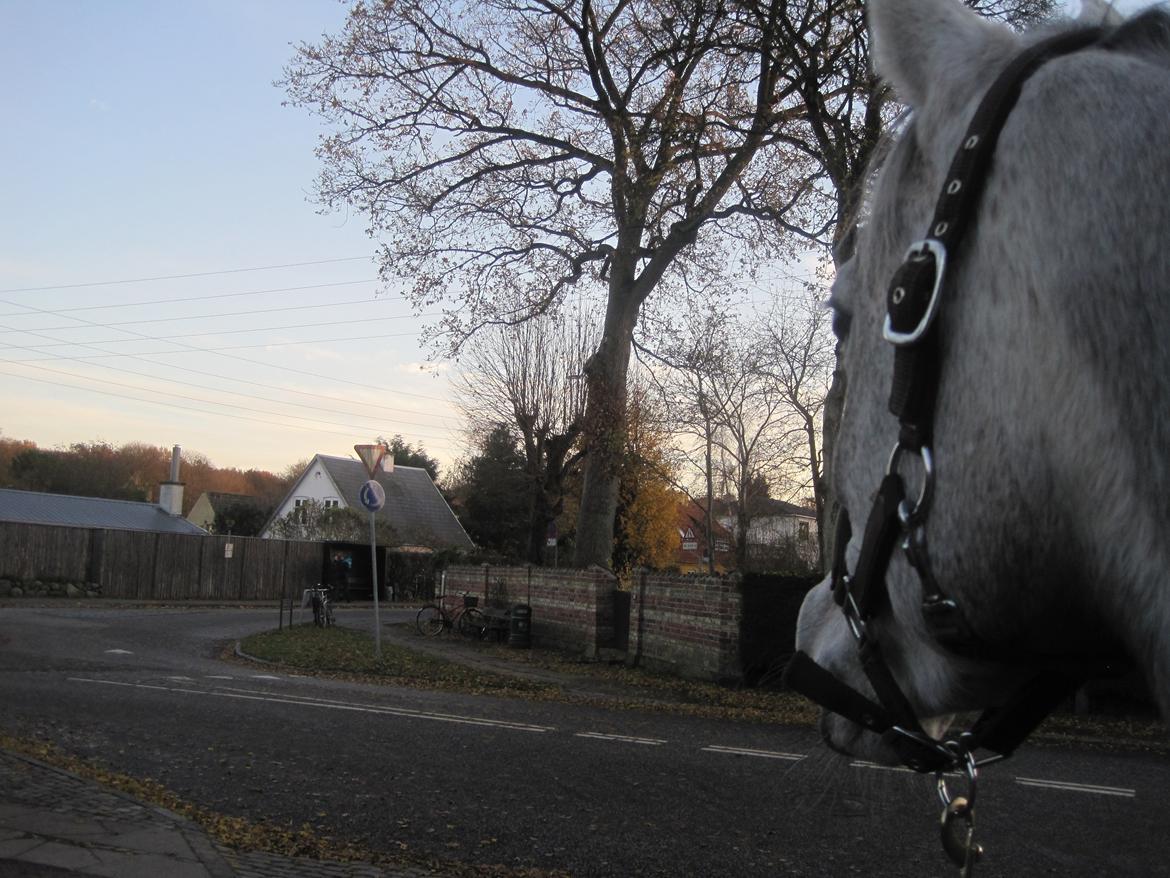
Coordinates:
[98,106]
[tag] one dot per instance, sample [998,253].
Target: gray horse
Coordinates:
[1049,516]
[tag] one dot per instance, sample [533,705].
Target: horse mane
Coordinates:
[1146,34]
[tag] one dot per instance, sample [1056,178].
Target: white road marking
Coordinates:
[861,763]
[304,701]
[626,739]
[1068,786]
[763,754]
[264,677]
[218,677]
[119,652]
[182,679]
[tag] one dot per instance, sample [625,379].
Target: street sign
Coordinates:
[371,456]
[372,496]
[227,550]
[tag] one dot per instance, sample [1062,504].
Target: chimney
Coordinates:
[170,493]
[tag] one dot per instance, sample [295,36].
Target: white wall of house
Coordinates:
[775,530]
[315,485]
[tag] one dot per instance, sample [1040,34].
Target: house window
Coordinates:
[300,501]
[802,530]
[332,503]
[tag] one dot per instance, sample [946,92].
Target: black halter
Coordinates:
[915,296]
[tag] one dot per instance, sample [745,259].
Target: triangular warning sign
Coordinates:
[371,456]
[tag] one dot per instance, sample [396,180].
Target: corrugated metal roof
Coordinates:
[414,507]
[31,507]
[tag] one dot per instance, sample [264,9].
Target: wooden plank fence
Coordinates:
[157,566]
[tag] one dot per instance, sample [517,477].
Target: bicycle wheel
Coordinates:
[472,623]
[429,620]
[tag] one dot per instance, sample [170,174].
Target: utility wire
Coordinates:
[199,400]
[235,379]
[142,280]
[203,411]
[223,389]
[115,324]
[187,348]
[182,299]
[211,332]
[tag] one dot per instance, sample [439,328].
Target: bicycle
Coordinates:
[465,618]
[322,607]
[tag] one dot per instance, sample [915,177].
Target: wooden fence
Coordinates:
[158,566]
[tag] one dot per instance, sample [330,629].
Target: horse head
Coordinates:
[1044,504]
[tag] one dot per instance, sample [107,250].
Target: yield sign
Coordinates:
[371,456]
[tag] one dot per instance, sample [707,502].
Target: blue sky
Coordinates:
[147,140]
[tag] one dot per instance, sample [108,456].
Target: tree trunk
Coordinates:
[604,434]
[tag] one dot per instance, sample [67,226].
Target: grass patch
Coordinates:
[345,652]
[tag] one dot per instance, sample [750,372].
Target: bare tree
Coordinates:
[799,360]
[527,145]
[528,377]
[721,396]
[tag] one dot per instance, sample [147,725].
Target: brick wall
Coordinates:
[572,610]
[686,625]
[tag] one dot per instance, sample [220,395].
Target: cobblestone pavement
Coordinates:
[54,824]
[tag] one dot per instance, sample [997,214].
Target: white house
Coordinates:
[415,509]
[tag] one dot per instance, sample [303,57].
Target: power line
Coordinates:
[236,347]
[374,430]
[118,323]
[142,280]
[236,379]
[183,299]
[186,348]
[196,399]
[211,332]
[223,389]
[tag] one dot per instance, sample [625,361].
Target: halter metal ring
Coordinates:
[907,514]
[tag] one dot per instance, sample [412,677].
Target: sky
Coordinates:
[164,276]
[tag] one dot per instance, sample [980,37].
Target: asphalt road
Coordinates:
[589,791]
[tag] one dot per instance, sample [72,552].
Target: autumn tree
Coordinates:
[528,377]
[646,531]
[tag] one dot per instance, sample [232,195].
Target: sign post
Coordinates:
[373,497]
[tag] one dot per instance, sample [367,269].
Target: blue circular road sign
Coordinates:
[372,496]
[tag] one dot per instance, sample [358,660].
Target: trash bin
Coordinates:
[520,626]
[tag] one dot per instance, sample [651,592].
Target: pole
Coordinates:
[374,583]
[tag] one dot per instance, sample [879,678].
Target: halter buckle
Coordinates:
[927,247]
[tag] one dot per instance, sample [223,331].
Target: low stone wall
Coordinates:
[686,625]
[572,610]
